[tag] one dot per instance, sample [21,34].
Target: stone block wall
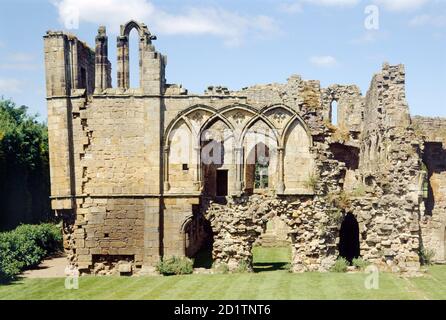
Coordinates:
[126,192]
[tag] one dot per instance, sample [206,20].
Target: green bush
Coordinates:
[360,263]
[340,265]
[243,267]
[426,256]
[175,266]
[221,267]
[288,267]
[26,247]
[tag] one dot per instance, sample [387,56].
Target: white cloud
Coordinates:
[323,61]
[428,20]
[232,27]
[333,3]
[8,86]
[371,36]
[19,61]
[401,5]
[21,57]
[293,7]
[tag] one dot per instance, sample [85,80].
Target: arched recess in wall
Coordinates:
[217,158]
[298,161]
[134,58]
[181,169]
[260,161]
[198,239]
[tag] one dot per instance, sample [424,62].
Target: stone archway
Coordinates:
[198,240]
[238,225]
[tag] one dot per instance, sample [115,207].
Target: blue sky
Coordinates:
[238,43]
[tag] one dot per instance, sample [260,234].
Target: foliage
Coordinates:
[360,263]
[243,267]
[339,133]
[426,256]
[340,265]
[340,200]
[312,182]
[288,267]
[24,168]
[175,266]
[360,190]
[26,247]
[221,267]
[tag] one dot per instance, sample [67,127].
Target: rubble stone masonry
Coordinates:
[129,176]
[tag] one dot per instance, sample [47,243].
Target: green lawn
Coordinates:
[276,284]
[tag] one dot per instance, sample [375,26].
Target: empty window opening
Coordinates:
[428,194]
[185,167]
[213,159]
[347,154]
[134,59]
[349,238]
[83,79]
[222,183]
[257,168]
[334,113]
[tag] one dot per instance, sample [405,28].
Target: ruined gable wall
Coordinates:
[350,107]
[390,165]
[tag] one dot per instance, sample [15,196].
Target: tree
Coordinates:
[24,168]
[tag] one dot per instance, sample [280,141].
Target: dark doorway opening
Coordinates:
[198,241]
[349,238]
[222,183]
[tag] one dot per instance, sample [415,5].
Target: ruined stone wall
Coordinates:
[433,214]
[350,108]
[390,166]
[127,178]
[178,211]
[430,129]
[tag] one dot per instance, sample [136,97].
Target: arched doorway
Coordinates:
[198,240]
[349,238]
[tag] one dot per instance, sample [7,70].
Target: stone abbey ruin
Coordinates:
[138,174]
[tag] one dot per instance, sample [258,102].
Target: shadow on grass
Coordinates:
[270,266]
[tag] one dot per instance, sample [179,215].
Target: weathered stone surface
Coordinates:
[129,177]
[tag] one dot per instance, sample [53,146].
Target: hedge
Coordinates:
[26,246]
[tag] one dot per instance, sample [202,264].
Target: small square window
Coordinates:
[185,167]
[106,235]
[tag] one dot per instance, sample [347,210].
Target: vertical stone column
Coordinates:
[123,62]
[280,184]
[238,152]
[102,64]
[166,168]
[197,182]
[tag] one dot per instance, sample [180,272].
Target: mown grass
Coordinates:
[277,284]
